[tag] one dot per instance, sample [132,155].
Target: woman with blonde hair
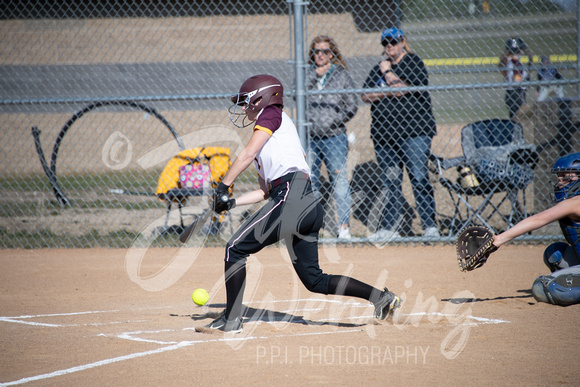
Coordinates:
[328,114]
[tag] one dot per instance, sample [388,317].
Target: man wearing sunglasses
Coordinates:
[402,129]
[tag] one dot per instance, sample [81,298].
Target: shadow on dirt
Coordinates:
[269,316]
[528,294]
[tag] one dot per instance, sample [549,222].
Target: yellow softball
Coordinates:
[200,296]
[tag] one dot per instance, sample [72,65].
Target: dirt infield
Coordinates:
[72,317]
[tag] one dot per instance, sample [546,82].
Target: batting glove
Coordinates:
[222,201]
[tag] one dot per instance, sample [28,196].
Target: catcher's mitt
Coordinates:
[474,245]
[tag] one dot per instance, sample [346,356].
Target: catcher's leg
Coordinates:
[559,288]
[560,255]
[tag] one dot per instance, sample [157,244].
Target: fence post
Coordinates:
[299,69]
[577,47]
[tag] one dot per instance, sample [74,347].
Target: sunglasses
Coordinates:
[390,42]
[325,51]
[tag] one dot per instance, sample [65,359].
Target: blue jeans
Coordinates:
[413,153]
[333,151]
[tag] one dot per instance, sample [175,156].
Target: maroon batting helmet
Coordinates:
[264,89]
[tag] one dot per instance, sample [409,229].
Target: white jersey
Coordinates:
[283,152]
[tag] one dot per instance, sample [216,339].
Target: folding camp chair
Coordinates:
[497,164]
[192,172]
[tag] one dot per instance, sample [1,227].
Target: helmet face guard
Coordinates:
[255,94]
[568,187]
[237,111]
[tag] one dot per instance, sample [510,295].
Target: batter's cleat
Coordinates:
[232,326]
[387,303]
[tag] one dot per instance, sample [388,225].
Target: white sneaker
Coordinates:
[383,235]
[344,233]
[431,232]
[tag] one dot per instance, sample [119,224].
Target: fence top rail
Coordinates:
[198,97]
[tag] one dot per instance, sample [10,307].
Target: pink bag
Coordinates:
[195,176]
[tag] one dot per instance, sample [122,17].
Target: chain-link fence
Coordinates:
[103,101]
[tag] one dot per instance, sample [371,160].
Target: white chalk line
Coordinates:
[130,336]
[78,313]
[17,319]
[94,365]
[172,345]
[482,320]
[330,301]
[61,314]
[479,320]
[181,344]
[34,323]
[6,319]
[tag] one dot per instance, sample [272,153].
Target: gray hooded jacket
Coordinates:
[328,113]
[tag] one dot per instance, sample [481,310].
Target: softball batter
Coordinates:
[292,212]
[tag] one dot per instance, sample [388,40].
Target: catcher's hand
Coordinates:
[474,245]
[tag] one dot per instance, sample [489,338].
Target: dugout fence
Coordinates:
[179,63]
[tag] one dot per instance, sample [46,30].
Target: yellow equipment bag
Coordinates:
[216,158]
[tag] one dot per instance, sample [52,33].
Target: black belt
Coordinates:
[287,177]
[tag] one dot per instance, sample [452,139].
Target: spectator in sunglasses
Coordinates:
[402,129]
[328,114]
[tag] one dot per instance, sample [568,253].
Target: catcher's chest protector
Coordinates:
[571,231]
